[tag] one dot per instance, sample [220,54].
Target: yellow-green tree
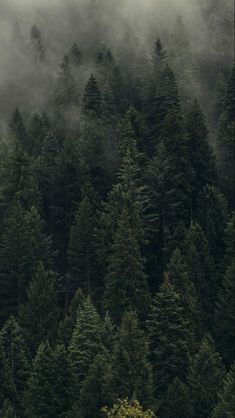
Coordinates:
[128,409]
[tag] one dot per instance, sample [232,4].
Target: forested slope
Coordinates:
[117,227]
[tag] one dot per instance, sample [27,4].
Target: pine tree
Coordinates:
[68,323]
[177,401]
[225,141]
[201,269]
[177,274]
[226,403]
[169,337]
[159,57]
[94,155]
[19,182]
[36,46]
[23,246]
[169,176]
[166,100]
[7,388]
[200,153]
[81,251]
[18,130]
[50,391]
[213,217]
[225,316]
[205,378]
[132,370]
[75,55]
[16,355]
[40,314]
[97,389]
[39,130]
[66,89]
[92,98]
[86,341]
[126,283]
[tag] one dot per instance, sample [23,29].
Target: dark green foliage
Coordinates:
[86,341]
[226,403]
[92,98]
[132,370]
[50,391]
[81,251]
[16,357]
[205,379]
[225,316]
[213,217]
[169,336]
[126,283]
[225,141]
[201,268]
[8,411]
[7,388]
[23,246]
[40,314]
[18,129]
[177,401]
[97,389]
[66,93]
[116,235]
[178,276]
[170,177]
[200,153]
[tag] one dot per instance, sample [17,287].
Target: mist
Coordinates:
[126,27]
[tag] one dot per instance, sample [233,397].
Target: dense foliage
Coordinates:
[117,274]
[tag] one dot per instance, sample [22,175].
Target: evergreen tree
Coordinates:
[16,355]
[97,389]
[225,141]
[18,130]
[81,251]
[126,283]
[159,57]
[75,55]
[225,406]
[169,337]
[66,89]
[177,401]
[205,378]
[39,316]
[213,217]
[36,46]
[225,316]
[201,269]
[7,388]
[177,274]
[86,341]
[92,98]
[169,176]
[132,370]
[166,100]
[68,323]
[23,246]
[50,391]
[19,180]
[200,153]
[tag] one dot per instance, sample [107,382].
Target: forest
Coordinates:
[117,209]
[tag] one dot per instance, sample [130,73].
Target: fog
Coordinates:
[126,26]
